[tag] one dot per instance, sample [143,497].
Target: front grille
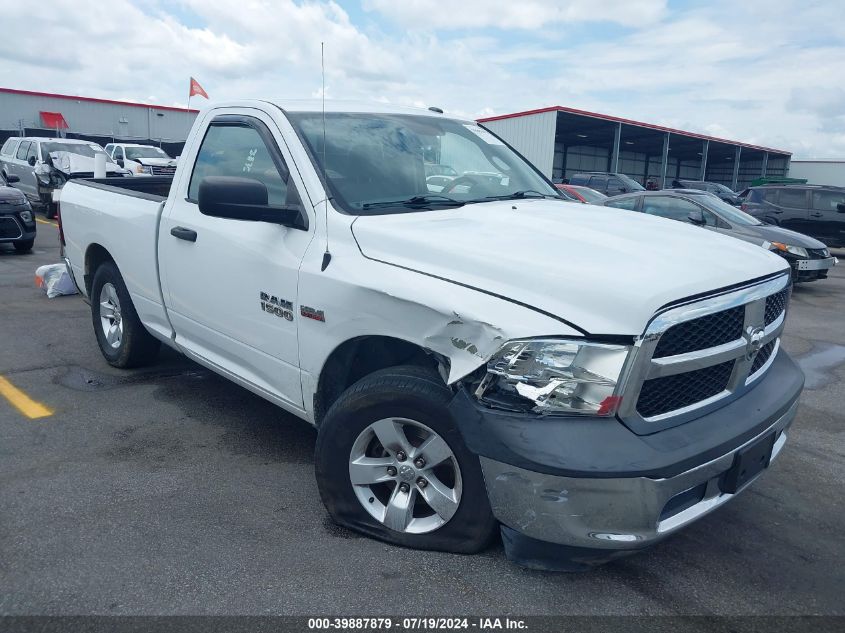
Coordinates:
[701,333]
[818,253]
[775,305]
[9,228]
[762,357]
[661,395]
[162,171]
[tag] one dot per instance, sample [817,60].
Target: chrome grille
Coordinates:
[162,170]
[701,333]
[695,357]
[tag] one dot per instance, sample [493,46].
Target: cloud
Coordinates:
[720,66]
[506,14]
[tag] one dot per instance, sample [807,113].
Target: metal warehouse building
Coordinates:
[563,141]
[25,113]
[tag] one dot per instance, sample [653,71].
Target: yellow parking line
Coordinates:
[22,402]
[46,222]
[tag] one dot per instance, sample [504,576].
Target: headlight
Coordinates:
[555,376]
[785,248]
[143,169]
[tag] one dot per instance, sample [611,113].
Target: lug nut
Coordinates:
[419,462]
[422,483]
[391,470]
[403,487]
[401,456]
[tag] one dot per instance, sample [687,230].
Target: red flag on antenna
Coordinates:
[196,89]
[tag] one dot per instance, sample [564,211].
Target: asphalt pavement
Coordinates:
[170,490]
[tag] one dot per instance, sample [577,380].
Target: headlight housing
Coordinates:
[555,376]
[143,169]
[799,251]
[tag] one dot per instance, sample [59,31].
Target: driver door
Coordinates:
[231,285]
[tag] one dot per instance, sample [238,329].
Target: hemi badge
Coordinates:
[311,313]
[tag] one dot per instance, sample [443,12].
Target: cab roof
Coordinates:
[338,105]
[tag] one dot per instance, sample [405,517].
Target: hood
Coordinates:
[70,163]
[771,233]
[155,162]
[10,195]
[605,270]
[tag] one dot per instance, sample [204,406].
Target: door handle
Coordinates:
[816,215]
[184,234]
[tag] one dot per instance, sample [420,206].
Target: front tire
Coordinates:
[122,338]
[391,464]
[50,210]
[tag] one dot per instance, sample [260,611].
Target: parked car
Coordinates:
[608,183]
[142,160]
[809,258]
[583,194]
[463,374]
[17,223]
[815,210]
[717,189]
[43,165]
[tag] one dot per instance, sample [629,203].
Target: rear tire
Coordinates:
[50,210]
[24,246]
[122,338]
[413,400]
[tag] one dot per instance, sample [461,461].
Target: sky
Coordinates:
[767,72]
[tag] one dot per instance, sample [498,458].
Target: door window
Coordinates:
[669,207]
[599,183]
[33,151]
[625,203]
[827,200]
[23,148]
[118,153]
[9,147]
[238,149]
[793,198]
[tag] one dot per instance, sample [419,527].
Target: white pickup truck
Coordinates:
[483,358]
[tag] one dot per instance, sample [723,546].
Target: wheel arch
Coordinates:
[95,256]
[360,356]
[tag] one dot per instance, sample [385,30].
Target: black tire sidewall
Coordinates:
[128,354]
[379,396]
[24,246]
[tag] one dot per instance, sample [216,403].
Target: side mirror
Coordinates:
[31,161]
[119,161]
[243,199]
[840,208]
[697,217]
[11,178]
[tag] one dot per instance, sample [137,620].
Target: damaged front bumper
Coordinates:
[574,492]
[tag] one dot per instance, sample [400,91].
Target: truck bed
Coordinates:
[148,187]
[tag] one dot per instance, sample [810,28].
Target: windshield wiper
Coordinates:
[417,202]
[520,195]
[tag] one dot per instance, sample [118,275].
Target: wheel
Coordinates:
[24,246]
[391,464]
[122,338]
[50,210]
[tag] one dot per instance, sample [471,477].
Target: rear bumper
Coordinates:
[592,490]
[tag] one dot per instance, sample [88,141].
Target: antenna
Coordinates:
[327,256]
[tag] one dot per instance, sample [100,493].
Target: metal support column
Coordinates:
[664,161]
[705,149]
[614,157]
[765,164]
[737,157]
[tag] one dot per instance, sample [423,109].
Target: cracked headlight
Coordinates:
[555,376]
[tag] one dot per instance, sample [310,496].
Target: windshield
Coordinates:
[723,189]
[416,161]
[591,195]
[144,152]
[632,184]
[81,149]
[729,213]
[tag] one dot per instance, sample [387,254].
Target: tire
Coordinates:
[50,210]
[416,398]
[24,246]
[131,345]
